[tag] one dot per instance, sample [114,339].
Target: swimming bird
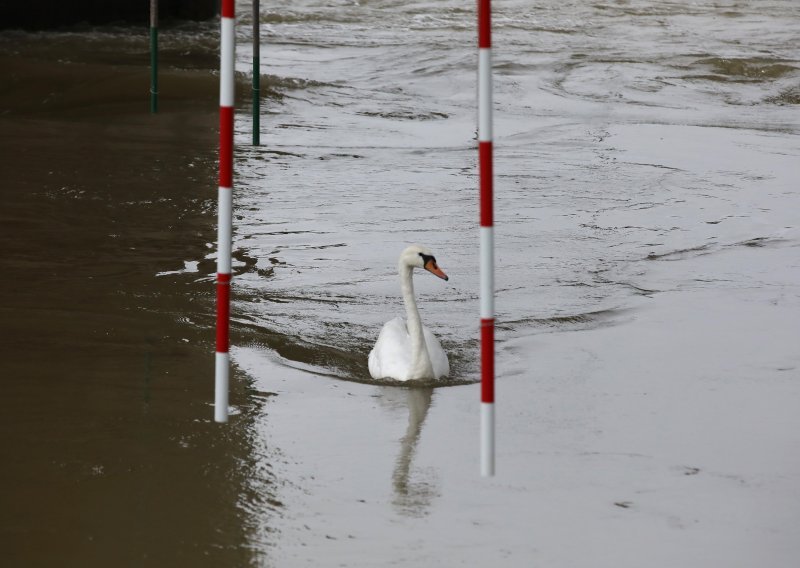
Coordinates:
[406,350]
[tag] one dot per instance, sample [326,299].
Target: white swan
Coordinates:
[409,352]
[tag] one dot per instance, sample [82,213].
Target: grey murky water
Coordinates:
[372,146]
[368,144]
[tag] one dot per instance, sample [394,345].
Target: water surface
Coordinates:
[368,144]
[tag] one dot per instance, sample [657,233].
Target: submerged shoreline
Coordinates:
[113,458]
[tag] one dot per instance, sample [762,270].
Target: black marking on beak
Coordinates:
[429,263]
[426,258]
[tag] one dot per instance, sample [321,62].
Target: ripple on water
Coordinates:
[372,147]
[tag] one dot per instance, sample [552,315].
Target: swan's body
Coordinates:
[406,350]
[391,358]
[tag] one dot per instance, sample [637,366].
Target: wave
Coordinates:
[347,361]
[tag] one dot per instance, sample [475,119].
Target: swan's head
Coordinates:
[417,256]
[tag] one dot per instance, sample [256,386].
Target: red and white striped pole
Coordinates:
[225,208]
[487,234]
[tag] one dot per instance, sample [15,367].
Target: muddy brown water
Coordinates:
[109,454]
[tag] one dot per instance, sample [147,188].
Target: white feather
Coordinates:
[406,349]
[391,356]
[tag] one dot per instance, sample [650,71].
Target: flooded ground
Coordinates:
[647,289]
[109,454]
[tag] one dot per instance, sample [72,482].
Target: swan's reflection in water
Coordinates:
[413,494]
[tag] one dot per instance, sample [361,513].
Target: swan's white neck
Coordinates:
[421,366]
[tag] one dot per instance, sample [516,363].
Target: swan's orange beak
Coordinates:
[432,267]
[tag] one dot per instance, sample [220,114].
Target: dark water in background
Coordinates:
[109,454]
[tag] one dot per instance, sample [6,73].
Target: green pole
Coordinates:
[256,76]
[153,56]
